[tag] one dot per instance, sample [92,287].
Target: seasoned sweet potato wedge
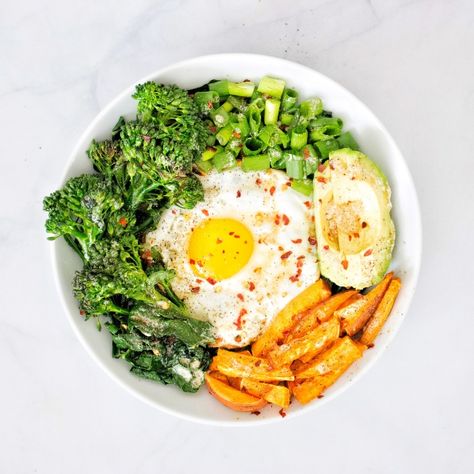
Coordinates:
[355,315]
[341,354]
[307,346]
[232,398]
[237,364]
[276,394]
[320,313]
[375,323]
[288,317]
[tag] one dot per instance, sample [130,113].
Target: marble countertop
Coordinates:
[411,62]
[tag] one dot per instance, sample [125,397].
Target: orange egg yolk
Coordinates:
[219,248]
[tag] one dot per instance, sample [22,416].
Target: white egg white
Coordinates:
[280,220]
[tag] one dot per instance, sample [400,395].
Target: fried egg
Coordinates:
[241,254]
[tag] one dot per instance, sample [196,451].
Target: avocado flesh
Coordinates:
[354,230]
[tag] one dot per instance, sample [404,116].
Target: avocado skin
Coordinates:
[362,270]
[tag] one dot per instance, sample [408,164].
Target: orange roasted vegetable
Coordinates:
[276,394]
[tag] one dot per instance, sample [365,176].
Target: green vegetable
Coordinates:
[289,99]
[325,127]
[271,86]
[252,146]
[224,160]
[326,146]
[255,163]
[303,186]
[272,108]
[299,137]
[295,167]
[346,140]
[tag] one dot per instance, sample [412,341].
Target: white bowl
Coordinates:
[374,141]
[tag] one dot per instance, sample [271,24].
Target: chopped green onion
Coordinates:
[238,102]
[283,138]
[286,118]
[346,140]
[272,108]
[241,89]
[255,163]
[211,140]
[241,125]
[254,117]
[234,146]
[208,153]
[303,186]
[258,103]
[204,166]
[224,160]
[225,134]
[221,87]
[271,86]
[277,158]
[324,127]
[295,167]
[311,159]
[299,137]
[252,146]
[227,106]
[220,117]
[326,146]
[206,100]
[289,99]
[311,108]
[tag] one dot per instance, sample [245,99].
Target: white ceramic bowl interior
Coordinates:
[374,141]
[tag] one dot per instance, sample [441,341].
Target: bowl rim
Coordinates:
[417,244]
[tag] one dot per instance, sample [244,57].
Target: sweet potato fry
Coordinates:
[237,364]
[276,394]
[288,316]
[217,375]
[320,313]
[306,346]
[232,398]
[355,315]
[376,322]
[307,389]
[341,354]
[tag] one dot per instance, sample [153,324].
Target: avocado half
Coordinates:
[354,230]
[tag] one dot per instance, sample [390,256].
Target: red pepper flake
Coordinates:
[280,248]
[195,289]
[82,312]
[210,105]
[345,264]
[364,225]
[306,153]
[173,212]
[237,338]
[312,240]
[282,413]
[240,296]
[231,233]
[297,241]
[356,235]
[293,278]
[321,168]
[146,138]
[308,204]
[326,247]
[236,134]
[123,221]
[331,165]
[213,129]
[321,179]
[288,183]
[256,413]
[146,255]
[192,261]
[277,219]
[218,241]
[238,323]
[272,190]
[367,253]
[299,263]
[211,281]
[236,236]
[251,286]
[198,280]
[205,212]
[239,193]
[285,255]
[258,181]
[320,396]
[300,257]
[199,262]
[286,219]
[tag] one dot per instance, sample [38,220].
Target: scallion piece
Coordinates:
[252,146]
[241,89]
[238,102]
[272,109]
[326,146]
[221,87]
[271,86]
[325,127]
[254,117]
[225,134]
[299,137]
[303,186]
[258,103]
[224,160]
[295,167]
[204,166]
[311,108]
[220,117]
[227,106]
[208,153]
[234,146]
[241,125]
[277,158]
[311,159]
[255,163]
[289,99]
[346,140]
[286,118]
[206,100]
